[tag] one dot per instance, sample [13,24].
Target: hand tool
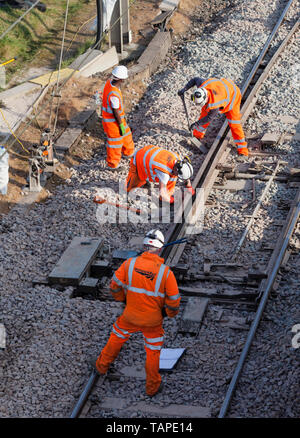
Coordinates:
[99,200]
[126,254]
[8,62]
[194,140]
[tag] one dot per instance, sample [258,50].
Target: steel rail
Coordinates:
[281,247]
[213,157]
[207,173]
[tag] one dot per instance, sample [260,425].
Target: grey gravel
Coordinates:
[50,337]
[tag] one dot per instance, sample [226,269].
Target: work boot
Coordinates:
[160,388]
[116,169]
[127,157]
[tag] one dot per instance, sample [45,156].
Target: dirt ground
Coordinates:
[76,95]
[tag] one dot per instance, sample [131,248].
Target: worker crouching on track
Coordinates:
[217,95]
[119,137]
[150,291]
[154,164]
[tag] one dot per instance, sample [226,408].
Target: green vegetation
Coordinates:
[39,34]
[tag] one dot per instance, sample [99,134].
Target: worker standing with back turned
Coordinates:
[149,289]
[217,95]
[154,164]
[118,133]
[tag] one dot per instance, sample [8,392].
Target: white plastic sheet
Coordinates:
[4,176]
[108,7]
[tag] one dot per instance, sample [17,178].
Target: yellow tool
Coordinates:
[9,61]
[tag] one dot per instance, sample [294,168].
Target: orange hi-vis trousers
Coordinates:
[153,341]
[117,144]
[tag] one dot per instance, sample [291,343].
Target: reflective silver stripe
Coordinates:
[234,96]
[118,334]
[115,146]
[200,129]
[168,274]
[241,147]
[162,166]
[242,140]
[153,340]
[146,292]
[127,133]
[130,271]
[119,282]
[112,139]
[217,103]
[173,297]
[145,156]
[139,290]
[107,110]
[152,172]
[152,347]
[208,82]
[235,122]
[114,291]
[173,178]
[159,278]
[227,90]
[108,120]
[121,330]
[172,308]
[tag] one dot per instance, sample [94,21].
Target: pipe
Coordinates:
[99,22]
[84,395]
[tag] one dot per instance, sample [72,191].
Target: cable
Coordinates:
[80,27]
[19,19]
[71,75]
[12,132]
[59,67]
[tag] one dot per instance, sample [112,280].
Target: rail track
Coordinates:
[247,290]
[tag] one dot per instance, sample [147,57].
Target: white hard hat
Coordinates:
[199,96]
[120,72]
[154,238]
[185,169]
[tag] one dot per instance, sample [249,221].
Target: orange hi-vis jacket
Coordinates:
[145,164]
[225,97]
[148,285]
[116,143]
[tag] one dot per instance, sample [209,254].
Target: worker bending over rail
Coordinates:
[154,164]
[149,289]
[118,133]
[217,95]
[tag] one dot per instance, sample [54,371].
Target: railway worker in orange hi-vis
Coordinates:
[149,290]
[119,136]
[217,95]
[154,164]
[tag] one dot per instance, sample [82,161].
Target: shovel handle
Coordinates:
[99,200]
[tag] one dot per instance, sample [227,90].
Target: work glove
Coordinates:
[191,190]
[163,312]
[193,126]
[122,129]
[181,92]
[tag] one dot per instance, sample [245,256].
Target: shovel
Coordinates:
[194,140]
